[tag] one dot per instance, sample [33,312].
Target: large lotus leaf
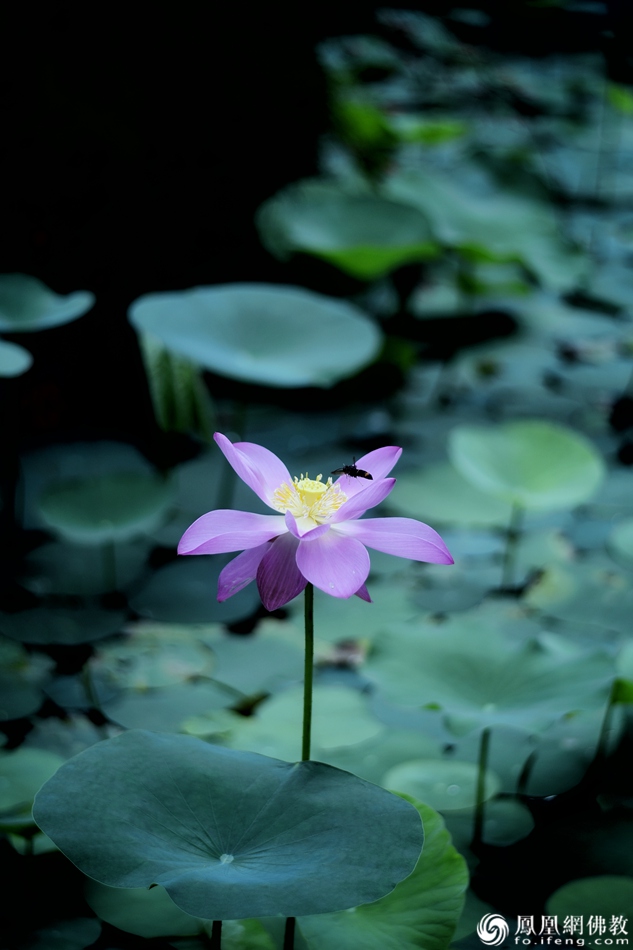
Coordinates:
[228,834]
[363,234]
[591,900]
[106,508]
[479,676]
[63,625]
[446,784]
[421,913]
[26,304]
[492,226]
[186,591]
[14,359]
[262,333]
[599,599]
[341,717]
[439,493]
[533,464]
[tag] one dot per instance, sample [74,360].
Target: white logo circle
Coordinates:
[492,929]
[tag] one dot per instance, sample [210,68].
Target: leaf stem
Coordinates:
[216,935]
[478,826]
[513,533]
[308,673]
[289,934]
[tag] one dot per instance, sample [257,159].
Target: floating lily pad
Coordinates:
[61,625]
[22,773]
[228,834]
[63,567]
[445,784]
[533,464]
[262,333]
[168,707]
[420,912]
[439,493]
[106,508]
[186,591]
[14,359]
[608,897]
[26,304]
[506,821]
[341,717]
[260,663]
[363,234]
[477,675]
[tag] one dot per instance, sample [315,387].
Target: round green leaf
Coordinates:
[439,493]
[533,464]
[105,508]
[228,834]
[364,235]
[421,913]
[61,625]
[262,333]
[469,668]
[608,896]
[186,591]
[22,772]
[14,359]
[147,912]
[26,304]
[166,708]
[445,784]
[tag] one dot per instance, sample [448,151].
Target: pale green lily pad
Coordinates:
[421,913]
[354,619]
[600,601]
[150,912]
[262,333]
[261,662]
[74,934]
[363,234]
[341,717]
[492,225]
[478,675]
[22,773]
[620,542]
[166,708]
[63,567]
[147,912]
[62,625]
[606,897]
[154,655]
[240,835]
[26,304]
[446,784]
[533,464]
[373,758]
[186,591]
[107,508]
[440,494]
[506,821]
[14,359]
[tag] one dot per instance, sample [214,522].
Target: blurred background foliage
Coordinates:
[324,233]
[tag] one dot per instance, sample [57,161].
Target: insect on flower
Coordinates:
[317,534]
[352,471]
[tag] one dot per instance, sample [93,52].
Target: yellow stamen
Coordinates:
[309,498]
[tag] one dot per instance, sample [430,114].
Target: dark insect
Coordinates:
[352,471]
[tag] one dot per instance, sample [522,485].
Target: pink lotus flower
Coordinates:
[316,537]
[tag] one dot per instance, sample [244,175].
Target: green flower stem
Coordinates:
[607,723]
[308,672]
[513,533]
[478,827]
[526,773]
[216,935]
[289,934]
